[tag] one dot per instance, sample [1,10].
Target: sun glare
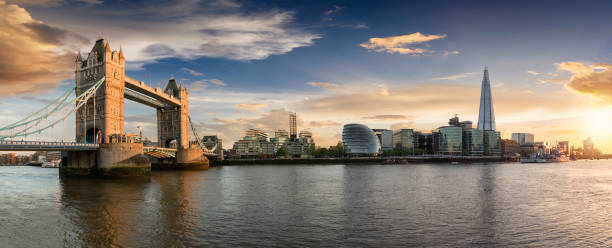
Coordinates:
[600,123]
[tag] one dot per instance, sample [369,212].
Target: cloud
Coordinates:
[553,81]
[215,29]
[533,72]
[388,117]
[324,123]
[34,55]
[454,77]
[251,106]
[192,72]
[334,9]
[384,90]
[217,82]
[53,3]
[446,53]
[325,85]
[401,44]
[593,80]
[198,85]
[402,125]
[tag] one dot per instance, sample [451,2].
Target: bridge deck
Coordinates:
[45,146]
[149,91]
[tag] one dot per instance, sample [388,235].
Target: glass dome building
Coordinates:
[358,140]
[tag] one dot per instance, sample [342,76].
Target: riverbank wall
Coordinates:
[365,160]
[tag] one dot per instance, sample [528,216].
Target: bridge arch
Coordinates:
[93,136]
[170,143]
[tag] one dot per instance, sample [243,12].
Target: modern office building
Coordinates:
[385,137]
[564,147]
[492,143]
[486,115]
[523,138]
[359,140]
[510,148]
[588,146]
[463,124]
[448,140]
[403,140]
[473,142]
[255,134]
[293,125]
[297,146]
[281,133]
[254,143]
[423,143]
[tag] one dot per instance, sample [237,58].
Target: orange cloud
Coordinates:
[325,85]
[401,44]
[594,80]
[388,117]
[30,61]
[251,106]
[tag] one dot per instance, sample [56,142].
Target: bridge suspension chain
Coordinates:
[61,108]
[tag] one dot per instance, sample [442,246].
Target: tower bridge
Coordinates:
[101,145]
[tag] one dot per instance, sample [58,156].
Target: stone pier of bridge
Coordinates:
[101,119]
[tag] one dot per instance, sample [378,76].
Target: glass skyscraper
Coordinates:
[486,116]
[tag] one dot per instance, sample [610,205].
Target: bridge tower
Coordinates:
[173,121]
[103,115]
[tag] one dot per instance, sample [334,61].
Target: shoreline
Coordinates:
[369,160]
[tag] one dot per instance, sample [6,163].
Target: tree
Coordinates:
[311,150]
[321,152]
[283,151]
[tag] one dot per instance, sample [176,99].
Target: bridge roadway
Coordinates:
[6,145]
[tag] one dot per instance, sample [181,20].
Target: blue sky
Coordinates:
[247,63]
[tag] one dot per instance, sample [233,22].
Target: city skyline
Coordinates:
[332,63]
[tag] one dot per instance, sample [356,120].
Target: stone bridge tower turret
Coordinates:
[103,115]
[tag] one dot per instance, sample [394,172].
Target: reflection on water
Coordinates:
[491,205]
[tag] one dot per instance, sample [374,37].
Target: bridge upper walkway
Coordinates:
[8,145]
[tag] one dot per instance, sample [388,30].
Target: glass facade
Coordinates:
[492,143]
[449,140]
[358,139]
[473,144]
[403,140]
[385,137]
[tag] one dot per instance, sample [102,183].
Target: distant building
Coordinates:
[281,133]
[385,137]
[449,140]
[254,143]
[423,142]
[359,140]
[214,144]
[473,142]
[403,140]
[510,148]
[486,115]
[456,123]
[292,125]
[492,143]
[255,134]
[588,148]
[523,138]
[564,147]
[298,146]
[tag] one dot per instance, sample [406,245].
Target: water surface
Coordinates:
[490,205]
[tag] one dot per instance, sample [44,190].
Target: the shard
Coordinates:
[486,116]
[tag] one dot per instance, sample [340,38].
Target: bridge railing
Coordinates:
[26,143]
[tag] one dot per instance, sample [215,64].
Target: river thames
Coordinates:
[487,205]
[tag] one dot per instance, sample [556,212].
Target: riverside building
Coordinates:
[359,140]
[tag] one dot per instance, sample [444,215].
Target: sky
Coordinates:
[387,64]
